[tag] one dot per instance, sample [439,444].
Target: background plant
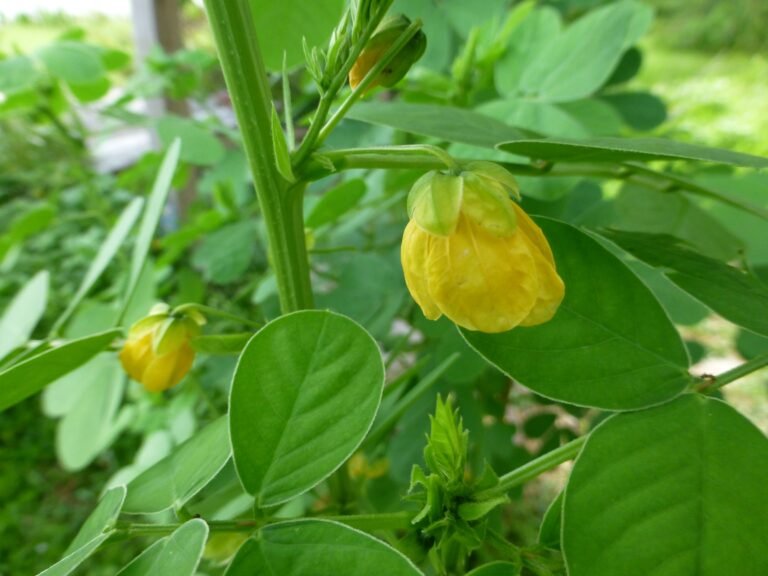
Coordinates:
[356,216]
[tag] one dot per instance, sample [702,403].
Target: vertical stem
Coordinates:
[281,204]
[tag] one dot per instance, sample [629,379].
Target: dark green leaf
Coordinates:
[304,395]
[549,531]
[443,122]
[736,295]
[640,110]
[624,149]
[30,376]
[319,548]
[497,569]
[677,489]
[610,345]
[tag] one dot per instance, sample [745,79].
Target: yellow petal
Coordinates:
[534,234]
[136,354]
[551,289]
[480,281]
[414,251]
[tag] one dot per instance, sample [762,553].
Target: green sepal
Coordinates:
[471,511]
[498,174]
[280,147]
[434,203]
[487,203]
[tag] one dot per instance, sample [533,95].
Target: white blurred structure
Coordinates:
[10,9]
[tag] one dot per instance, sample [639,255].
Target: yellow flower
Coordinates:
[386,35]
[157,352]
[473,254]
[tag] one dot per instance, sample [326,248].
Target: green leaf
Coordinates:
[640,209]
[30,376]
[736,295]
[443,122]
[177,555]
[281,26]
[91,425]
[551,524]
[640,110]
[677,489]
[336,202]
[198,145]
[280,148]
[530,38]
[304,394]
[151,218]
[97,528]
[497,569]
[577,62]
[104,257]
[217,260]
[221,344]
[23,313]
[72,62]
[320,548]
[179,476]
[608,149]
[17,73]
[610,345]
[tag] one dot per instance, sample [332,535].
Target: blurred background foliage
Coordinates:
[71,86]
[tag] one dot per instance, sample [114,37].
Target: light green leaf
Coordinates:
[151,218]
[336,202]
[198,145]
[91,426]
[615,347]
[73,62]
[677,489]
[94,532]
[177,555]
[443,122]
[17,73]
[304,395]
[736,295]
[23,313]
[221,344]
[578,61]
[217,260]
[319,548]
[30,376]
[178,477]
[538,29]
[608,149]
[112,243]
[281,26]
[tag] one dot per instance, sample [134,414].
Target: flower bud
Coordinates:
[387,34]
[471,253]
[157,352]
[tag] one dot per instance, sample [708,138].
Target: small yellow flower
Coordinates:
[358,466]
[386,34]
[473,254]
[157,352]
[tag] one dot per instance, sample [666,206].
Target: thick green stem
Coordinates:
[533,469]
[280,203]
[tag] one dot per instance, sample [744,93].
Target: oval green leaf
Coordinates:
[30,376]
[305,392]
[611,345]
[320,548]
[178,477]
[677,489]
